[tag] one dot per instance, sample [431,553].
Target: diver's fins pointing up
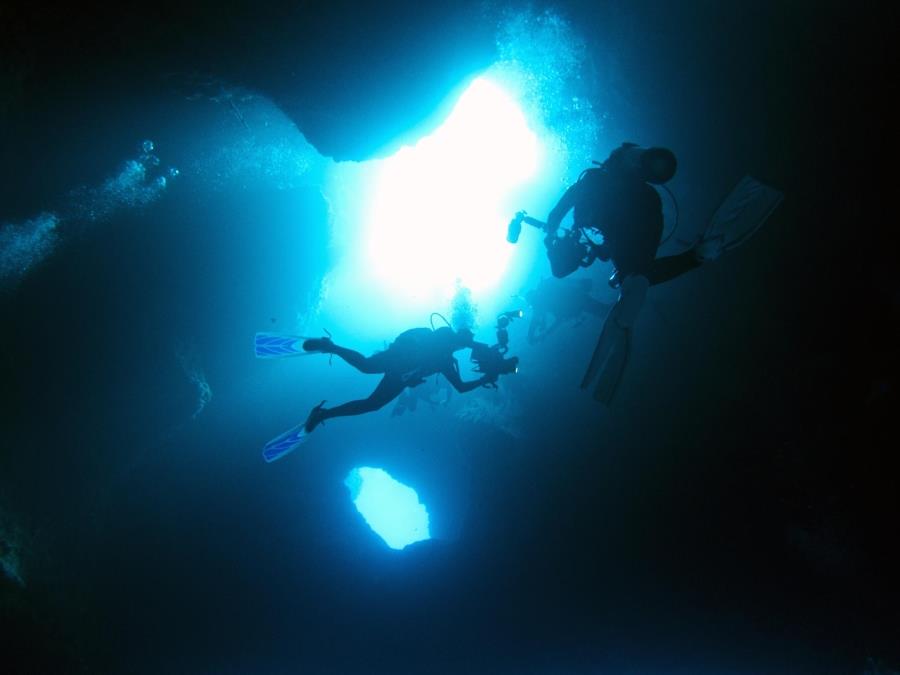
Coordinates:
[738,218]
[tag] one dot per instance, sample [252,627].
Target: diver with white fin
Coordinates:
[617,203]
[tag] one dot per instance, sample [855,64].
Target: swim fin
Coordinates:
[613,371]
[280,345]
[608,361]
[287,442]
[738,218]
[610,356]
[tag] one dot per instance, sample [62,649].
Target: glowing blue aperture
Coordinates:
[390,508]
[439,209]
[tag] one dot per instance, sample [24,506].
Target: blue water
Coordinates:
[687,528]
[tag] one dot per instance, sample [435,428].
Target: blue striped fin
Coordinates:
[278,345]
[287,442]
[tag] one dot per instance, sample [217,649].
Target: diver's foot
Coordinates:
[316,417]
[324,345]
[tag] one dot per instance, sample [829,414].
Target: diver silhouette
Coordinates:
[412,357]
[617,201]
[564,300]
[406,363]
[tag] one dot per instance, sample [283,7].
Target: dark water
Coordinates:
[733,512]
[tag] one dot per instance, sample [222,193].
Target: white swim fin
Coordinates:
[610,357]
[738,218]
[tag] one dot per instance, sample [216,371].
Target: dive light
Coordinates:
[514,229]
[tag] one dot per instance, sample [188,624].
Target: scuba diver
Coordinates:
[413,356]
[564,300]
[617,202]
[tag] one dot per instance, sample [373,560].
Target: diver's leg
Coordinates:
[390,387]
[364,364]
[665,269]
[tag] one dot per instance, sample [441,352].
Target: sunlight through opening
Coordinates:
[390,508]
[439,208]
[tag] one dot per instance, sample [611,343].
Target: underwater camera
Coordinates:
[491,360]
[503,321]
[566,253]
[572,250]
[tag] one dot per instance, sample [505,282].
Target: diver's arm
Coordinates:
[565,203]
[451,372]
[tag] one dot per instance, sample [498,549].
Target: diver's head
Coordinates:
[651,165]
[454,340]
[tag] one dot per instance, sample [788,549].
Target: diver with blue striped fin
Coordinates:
[412,357]
[278,345]
[618,217]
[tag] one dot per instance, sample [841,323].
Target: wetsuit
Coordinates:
[628,213]
[413,356]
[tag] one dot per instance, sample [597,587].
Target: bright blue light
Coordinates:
[438,209]
[407,228]
[389,507]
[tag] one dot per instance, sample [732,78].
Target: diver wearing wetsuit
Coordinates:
[413,356]
[617,200]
